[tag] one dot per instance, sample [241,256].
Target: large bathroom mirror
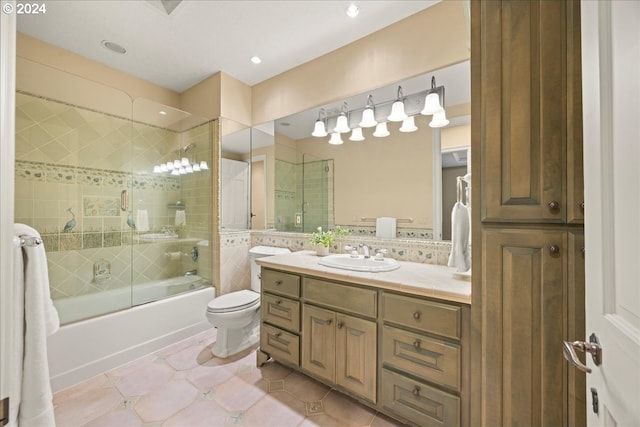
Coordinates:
[404,175]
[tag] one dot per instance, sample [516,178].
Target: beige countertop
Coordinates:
[435,281]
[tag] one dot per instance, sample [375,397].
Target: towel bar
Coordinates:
[24,240]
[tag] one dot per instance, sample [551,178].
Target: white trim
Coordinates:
[263,158]
[7,172]
[437,185]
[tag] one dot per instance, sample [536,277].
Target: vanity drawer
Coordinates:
[428,316]
[422,356]
[343,297]
[419,403]
[280,283]
[280,311]
[279,344]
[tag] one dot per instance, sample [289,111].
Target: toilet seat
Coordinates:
[233,301]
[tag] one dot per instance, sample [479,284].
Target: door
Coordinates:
[611,108]
[318,342]
[258,192]
[234,177]
[356,355]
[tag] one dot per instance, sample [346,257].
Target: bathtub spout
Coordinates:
[191,273]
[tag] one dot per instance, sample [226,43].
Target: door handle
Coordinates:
[592,347]
[124,200]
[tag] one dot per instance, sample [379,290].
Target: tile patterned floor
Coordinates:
[184,385]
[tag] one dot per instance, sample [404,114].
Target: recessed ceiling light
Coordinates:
[353,10]
[113,47]
[256,59]
[162,113]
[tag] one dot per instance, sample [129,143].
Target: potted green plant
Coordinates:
[323,240]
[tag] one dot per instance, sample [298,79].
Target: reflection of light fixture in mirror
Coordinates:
[320,129]
[353,11]
[439,119]
[335,139]
[182,165]
[408,125]
[342,123]
[368,115]
[397,109]
[381,130]
[432,101]
[356,135]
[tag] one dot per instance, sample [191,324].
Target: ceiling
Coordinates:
[200,38]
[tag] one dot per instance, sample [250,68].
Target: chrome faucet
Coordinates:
[191,273]
[365,250]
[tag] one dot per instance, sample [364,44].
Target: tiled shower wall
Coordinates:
[72,165]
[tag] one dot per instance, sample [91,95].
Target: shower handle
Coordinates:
[124,200]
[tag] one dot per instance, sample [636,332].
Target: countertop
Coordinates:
[435,281]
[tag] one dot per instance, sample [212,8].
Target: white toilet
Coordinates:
[236,314]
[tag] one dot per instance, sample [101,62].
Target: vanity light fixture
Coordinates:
[356,135]
[368,115]
[433,106]
[439,119]
[397,109]
[342,124]
[335,139]
[320,128]
[182,165]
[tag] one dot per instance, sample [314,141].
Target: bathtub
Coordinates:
[86,348]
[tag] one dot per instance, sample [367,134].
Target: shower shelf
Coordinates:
[176,206]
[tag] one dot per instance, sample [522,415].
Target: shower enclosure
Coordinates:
[99,176]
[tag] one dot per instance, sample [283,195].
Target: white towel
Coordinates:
[35,319]
[460,256]
[181,217]
[142,220]
[385,227]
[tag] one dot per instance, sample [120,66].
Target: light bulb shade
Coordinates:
[182,171]
[431,104]
[408,125]
[356,135]
[204,166]
[176,164]
[397,112]
[342,124]
[189,169]
[196,167]
[156,169]
[439,119]
[175,172]
[368,119]
[319,129]
[185,162]
[381,130]
[335,139]
[169,165]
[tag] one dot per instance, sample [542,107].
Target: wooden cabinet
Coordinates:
[401,354]
[527,211]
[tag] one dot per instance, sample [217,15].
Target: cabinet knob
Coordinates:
[582,250]
[581,205]
[554,249]
[416,315]
[416,391]
[277,334]
[278,282]
[553,205]
[340,325]
[278,302]
[416,344]
[328,322]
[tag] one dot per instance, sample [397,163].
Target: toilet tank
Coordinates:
[260,252]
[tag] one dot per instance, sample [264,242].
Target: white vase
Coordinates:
[322,250]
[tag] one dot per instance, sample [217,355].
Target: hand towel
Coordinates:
[385,227]
[181,217]
[36,318]
[142,220]
[460,256]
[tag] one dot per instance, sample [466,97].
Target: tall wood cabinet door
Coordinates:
[576,327]
[523,91]
[524,322]
[356,355]
[318,342]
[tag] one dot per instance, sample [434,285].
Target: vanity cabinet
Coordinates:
[402,354]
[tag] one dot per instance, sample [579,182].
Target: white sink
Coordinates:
[157,236]
[347,262]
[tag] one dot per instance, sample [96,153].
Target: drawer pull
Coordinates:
[278,302]
[416,344]
[340,325]
[278,282]
[553,205]
[416,315]
[277,334]
[416,391]
[554,249]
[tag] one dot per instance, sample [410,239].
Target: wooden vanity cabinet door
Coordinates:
[355,351]
[318,342]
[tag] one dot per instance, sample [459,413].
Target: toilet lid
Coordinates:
[233,301]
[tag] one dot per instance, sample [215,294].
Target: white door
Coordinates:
[234,177]
[611,104]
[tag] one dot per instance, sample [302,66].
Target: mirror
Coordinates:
[318,184]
